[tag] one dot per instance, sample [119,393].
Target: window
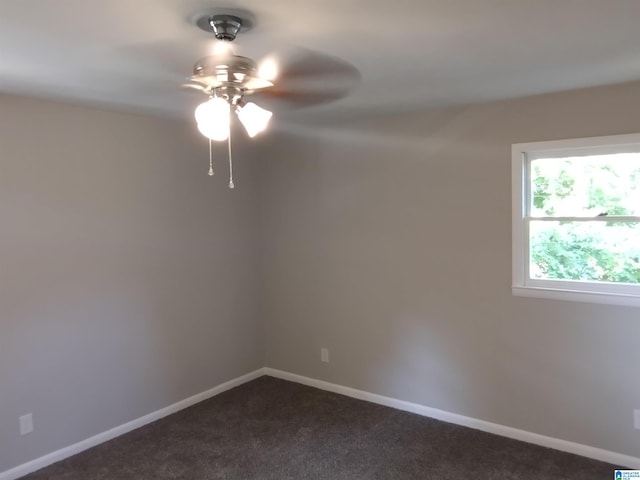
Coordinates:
[576,219]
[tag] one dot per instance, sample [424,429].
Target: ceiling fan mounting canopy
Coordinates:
[225,26]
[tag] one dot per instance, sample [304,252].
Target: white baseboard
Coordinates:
[617,459]
[66,452]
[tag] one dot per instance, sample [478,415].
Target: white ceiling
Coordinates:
[411,53]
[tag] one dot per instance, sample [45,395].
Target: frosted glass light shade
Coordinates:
[214,131]
[213,119]
[254,118]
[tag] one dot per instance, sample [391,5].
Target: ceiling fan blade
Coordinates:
[302,62]
[194,86]
[306,77]
[275,100]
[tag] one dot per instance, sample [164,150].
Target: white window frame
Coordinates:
[523,285]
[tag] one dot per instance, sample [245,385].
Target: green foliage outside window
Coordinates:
[586,187]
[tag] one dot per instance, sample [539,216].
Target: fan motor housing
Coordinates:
[233,67]
[231,72]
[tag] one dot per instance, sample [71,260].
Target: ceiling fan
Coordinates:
[231,82]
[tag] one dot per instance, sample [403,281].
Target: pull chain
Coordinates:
[210,160]
[231,185]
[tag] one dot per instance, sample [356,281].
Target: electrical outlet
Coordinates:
[636,419]
[324,355]
[26,424]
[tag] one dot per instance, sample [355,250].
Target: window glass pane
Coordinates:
[586,186]
[587,251]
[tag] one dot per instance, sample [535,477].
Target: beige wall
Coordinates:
[388,241]
[127,274]
[130,279]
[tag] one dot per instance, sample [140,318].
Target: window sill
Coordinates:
[577,296]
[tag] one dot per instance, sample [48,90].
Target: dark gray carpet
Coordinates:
[272,429]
